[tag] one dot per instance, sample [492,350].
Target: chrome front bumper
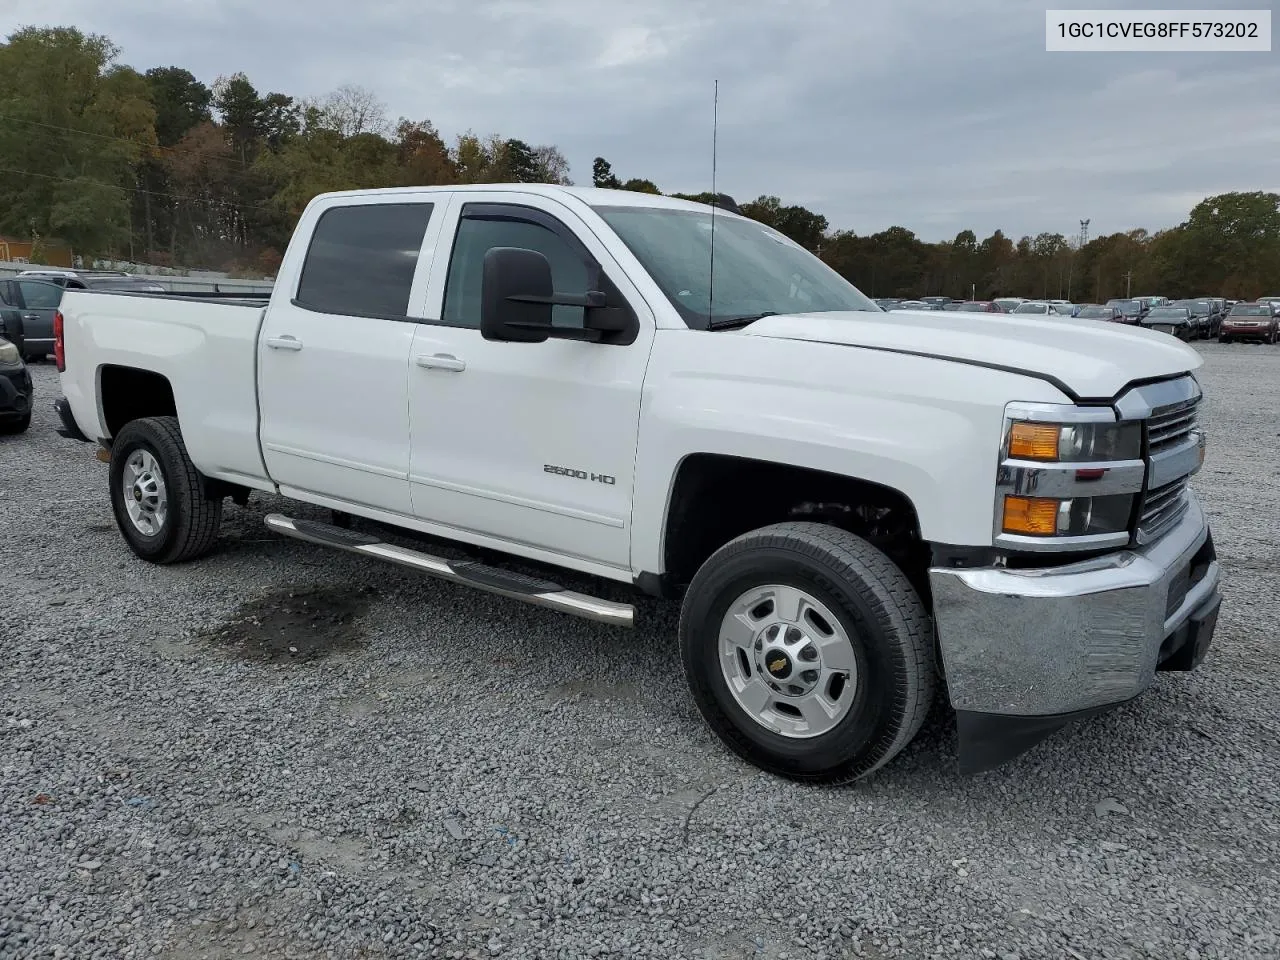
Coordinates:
[1072,639]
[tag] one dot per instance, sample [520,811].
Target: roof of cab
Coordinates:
[592,196]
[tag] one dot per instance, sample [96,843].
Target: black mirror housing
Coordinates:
[516,291]
[518,294]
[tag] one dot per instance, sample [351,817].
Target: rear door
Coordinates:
[333,355]
[39,301]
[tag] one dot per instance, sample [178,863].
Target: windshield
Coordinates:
[1195,306]
[1126,306]
[1090,312]
[1250,310]
[757,270]
[1168,313]
[1032,308]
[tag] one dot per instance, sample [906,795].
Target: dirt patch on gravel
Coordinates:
[297,624]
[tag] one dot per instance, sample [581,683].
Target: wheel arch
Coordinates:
[717,497]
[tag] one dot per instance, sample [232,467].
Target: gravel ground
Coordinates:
[286,752]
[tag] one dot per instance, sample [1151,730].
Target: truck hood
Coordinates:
[1087,359]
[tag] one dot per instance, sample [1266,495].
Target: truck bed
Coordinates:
[205,348]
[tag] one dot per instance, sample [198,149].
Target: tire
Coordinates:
[872,608]
[188,526]
[1224,339]
[16,426]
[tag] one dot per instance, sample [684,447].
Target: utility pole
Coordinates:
[1128,284]
[973,291]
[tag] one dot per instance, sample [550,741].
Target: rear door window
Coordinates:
[38,295]
[362,259]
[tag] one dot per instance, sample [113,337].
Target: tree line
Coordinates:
[159,167]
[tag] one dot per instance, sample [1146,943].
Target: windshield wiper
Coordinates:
[735,323]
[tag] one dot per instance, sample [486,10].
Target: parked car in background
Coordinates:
[1175,320]
[1096,311]
[36,299]
[911,305]
[1040,308]
[884,303]
[1133,309]
[937,303]
[977,306]
[1250,321]
[1007,304]
[15,389]
[1205,315]
[1149,302]
[1268,300]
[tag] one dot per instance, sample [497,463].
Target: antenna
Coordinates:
[715,201]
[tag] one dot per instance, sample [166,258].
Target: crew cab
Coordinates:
[852,508]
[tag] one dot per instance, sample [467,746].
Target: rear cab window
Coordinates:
[362,259]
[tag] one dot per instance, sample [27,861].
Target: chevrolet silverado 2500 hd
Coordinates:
[852,506]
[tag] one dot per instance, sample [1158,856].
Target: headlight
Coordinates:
[9,353]
[1074,443]
[1069,478]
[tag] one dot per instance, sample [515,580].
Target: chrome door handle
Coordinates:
[284,343]
[441,361]
[31,316]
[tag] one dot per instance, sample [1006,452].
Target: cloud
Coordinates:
[933,115]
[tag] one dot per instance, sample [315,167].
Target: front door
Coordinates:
[333,358]
[531,443]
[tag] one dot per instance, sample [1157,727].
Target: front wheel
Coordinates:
[808,652]
[156,494]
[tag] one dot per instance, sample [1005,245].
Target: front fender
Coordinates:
[927,428]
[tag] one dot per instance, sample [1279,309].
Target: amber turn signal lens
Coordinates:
[1034,441]
[1034,516]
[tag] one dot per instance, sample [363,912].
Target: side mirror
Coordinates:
[12,329]
[516,293]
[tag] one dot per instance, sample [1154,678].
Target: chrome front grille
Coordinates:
[1162,508]
[1171,426]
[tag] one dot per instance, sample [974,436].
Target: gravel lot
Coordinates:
[437,772]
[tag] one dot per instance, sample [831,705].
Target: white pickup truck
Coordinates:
[853,507]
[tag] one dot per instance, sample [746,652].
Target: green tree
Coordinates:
[77,126]
[602,175]
[242,112]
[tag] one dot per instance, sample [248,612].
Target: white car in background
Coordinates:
[1042,308]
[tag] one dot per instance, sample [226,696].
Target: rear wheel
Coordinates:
[808,652]
[1222,339]
[156,494]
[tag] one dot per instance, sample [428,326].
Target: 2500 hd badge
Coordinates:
[579,474]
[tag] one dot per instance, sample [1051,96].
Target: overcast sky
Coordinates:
[935,115]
